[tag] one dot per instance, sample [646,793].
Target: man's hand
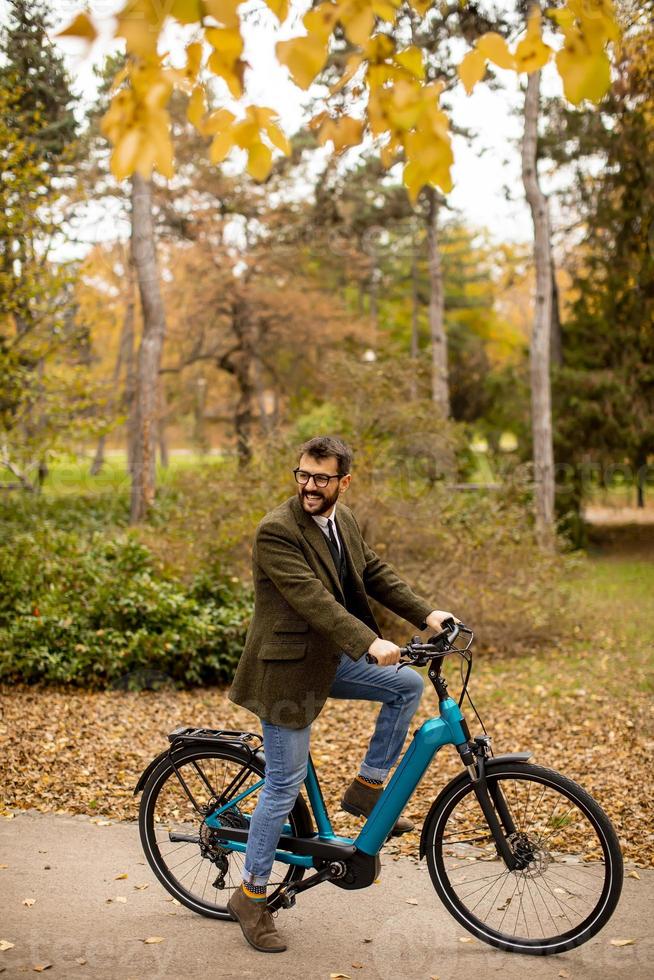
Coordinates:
[385,652]
[437,617]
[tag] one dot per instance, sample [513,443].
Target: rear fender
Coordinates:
[464,778]
[174,752]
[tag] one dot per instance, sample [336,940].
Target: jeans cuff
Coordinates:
[251,879]
[371,773]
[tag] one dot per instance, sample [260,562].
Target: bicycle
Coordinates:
[520,855]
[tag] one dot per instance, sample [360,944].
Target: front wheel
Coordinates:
[571,877]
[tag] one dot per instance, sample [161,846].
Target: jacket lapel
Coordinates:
[318,542]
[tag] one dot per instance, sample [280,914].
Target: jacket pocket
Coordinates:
[283,650]
[291,626]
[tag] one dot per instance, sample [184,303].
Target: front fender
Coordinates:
[463,778]
[241,750]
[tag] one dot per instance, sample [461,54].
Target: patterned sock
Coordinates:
[257,893]
[367,781]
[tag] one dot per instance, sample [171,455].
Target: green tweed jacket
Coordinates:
[299,628]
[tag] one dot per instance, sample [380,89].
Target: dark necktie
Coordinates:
[332,536]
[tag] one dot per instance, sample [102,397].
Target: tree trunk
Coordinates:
[162,418]
[150,349]
[541,403]
[439,383]
[374,305]
[124,355]
[415,307]
[556,348]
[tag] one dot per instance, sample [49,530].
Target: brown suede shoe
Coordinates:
[256,923]
[360,800]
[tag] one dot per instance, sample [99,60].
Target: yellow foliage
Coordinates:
[224,11]
[532,53]
[582,62]
[472,69]
[304,57]
[279,8]
[402,109]
[225,60]
[81,26]
[343,132]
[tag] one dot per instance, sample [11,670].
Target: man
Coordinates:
[312,626]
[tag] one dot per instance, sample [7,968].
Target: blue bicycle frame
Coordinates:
[427,740]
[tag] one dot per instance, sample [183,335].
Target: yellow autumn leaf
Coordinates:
[193,59]
[125,153]
[494,47]
[186,11]
[321,20]
[411,59]
[532,53]
[196,106]
[267,120]
[140,22]
[279,8]
[343,132]
[218,121]
[584,76]
[221,145]
[230,72]
[224,11]
[304,57]
[386,9]
[227,42]
[81,26]
[358,20]
[471,70]
[421,6]
[259,161]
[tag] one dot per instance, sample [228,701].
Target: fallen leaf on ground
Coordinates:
[411,901]
[40,967]
[29,902]
[80,960]
[622,942]
[466,939]
[358,966]
[631,874]
[3,866]
[5,944]
[120,877]
[563,973]
[121,898]
[339,976]
[153,939]
[140,888]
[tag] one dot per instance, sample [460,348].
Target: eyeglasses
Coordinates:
[320,479]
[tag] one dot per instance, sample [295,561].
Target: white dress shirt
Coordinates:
[323,524]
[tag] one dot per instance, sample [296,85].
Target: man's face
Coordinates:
[320,500]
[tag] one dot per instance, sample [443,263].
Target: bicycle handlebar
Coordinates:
[436,646]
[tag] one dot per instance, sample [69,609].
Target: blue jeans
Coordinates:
[287,751]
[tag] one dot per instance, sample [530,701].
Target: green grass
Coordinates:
[68,477]
[610,642]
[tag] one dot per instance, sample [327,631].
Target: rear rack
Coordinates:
[189,734]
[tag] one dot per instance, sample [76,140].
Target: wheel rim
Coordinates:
[566,882]
[200,872]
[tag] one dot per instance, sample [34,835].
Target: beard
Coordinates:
[326,502]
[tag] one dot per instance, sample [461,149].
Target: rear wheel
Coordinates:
[182,850]
[572,875]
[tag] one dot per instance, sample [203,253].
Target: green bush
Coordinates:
[83,608]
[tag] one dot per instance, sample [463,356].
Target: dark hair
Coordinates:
[320,447]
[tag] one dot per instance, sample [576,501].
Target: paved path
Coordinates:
[69,865]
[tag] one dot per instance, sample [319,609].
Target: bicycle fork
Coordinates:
[492,802]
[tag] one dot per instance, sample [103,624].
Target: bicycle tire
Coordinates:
[299,820]
[439,846]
